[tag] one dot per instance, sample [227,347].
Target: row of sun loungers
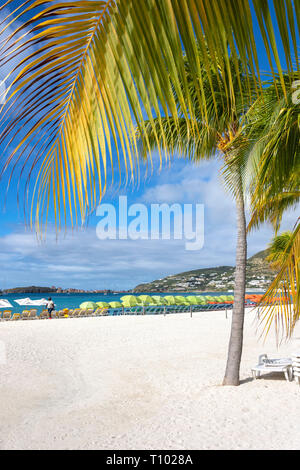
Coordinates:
[33,314]
[7,315]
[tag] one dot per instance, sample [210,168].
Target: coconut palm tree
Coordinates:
[216,131]
[261,155]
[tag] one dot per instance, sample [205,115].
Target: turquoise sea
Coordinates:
[74,300]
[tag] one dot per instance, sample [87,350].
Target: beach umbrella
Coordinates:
[159,300]
[103,304]
[179,300]
[210,298]
[26,301]
[129,301]
[116,304]
[5,304]
[201,299]
[192,299]
[170,299]
[144,299]
[88,305]
[227,297]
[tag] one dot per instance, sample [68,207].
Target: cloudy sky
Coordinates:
[80,259]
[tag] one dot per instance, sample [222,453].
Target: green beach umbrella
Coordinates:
[179,299]
[170,299]
[86,305]
[210,298]
[103,304]
[159,300]
[192,299]
[201,299]
[144,299]
[129,301]
[115,304]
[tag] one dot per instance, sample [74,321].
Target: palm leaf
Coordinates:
[95,69]
[281,303]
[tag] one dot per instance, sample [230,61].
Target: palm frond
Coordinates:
[98,68]
[270,208]
[281,303]
[279,249]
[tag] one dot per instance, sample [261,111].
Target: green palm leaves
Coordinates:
[94,69]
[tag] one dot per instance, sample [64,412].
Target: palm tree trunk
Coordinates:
[232,373]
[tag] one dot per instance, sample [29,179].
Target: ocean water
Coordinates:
[74,300]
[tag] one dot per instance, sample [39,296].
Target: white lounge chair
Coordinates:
[273,365]
[296,366]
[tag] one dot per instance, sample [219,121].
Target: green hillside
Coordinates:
[220,278]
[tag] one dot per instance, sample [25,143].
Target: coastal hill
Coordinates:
[220,278]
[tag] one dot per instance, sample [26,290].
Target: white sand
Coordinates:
[148,382]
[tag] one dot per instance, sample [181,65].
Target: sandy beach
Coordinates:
[141,382]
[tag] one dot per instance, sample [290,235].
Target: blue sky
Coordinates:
[79,259]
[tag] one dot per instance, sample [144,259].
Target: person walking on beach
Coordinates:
[50,306]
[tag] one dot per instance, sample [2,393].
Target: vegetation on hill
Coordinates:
[259,275]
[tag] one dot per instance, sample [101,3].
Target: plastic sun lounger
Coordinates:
[25,314]
[273,365]
[296,366]
[44,314]
[149,310]
[6,315]
[103,312]
[134,310]
[74,312]
[127,311]
[90,312]
[82,313]
[15,317]
[32,314]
